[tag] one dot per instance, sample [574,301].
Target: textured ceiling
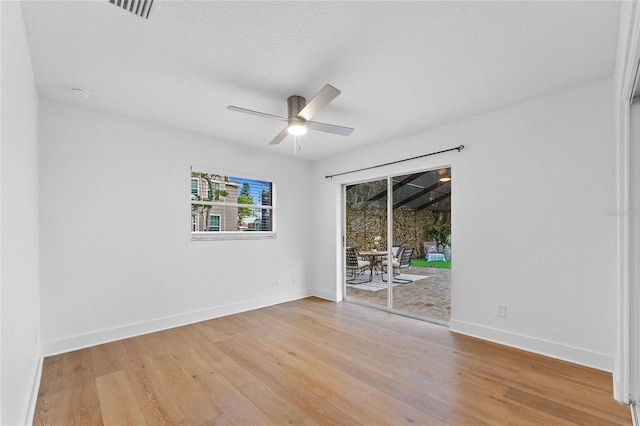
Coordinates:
[402,67]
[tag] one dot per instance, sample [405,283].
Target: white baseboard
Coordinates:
[634,414]
[67,344]
[33,398]
[328,295]
[556,350]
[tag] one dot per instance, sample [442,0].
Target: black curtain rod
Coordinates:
[458,148]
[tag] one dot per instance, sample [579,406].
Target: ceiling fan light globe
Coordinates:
[297,129]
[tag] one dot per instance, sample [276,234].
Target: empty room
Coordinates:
[220,212]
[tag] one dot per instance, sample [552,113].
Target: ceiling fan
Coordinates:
[300,114]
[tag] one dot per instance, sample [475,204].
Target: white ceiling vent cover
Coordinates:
[137,7]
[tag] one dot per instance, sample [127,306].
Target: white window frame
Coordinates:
[234,235]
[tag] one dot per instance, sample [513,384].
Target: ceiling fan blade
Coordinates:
[319,101]
[252,112]
[329,128]
[280,137]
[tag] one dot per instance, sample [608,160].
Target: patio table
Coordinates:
[372,254]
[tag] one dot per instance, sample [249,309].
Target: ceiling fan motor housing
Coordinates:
[297,125]
[296,103]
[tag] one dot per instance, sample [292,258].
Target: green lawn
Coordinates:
[436,264]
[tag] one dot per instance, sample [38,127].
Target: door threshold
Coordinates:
[395,312]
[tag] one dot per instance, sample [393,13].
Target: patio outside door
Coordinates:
[366,231]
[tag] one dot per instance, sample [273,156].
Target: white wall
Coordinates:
[531,196]
[117,259]
[19,222]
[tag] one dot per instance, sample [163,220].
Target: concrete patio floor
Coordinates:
[428,298]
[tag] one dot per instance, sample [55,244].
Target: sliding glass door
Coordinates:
[400,227]
[422,228]
[366,238]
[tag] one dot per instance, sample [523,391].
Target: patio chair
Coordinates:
[377,266]
[402,261]
[430,247]
[356,267]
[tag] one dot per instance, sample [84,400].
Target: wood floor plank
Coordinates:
[118,403]
[576,395]
[314,362]
[366,369]
[155,402]
[278,409]
[108,358]
[231,404]
[268,370]
[370,361]
[50,394]
[369,404]
[155,410]
[554,408]
[80,393]
[186,393]
[230,372]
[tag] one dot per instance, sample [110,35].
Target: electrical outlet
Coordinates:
[501,310]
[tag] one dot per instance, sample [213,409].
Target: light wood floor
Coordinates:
[318,362]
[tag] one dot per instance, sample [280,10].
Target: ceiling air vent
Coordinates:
[137,7]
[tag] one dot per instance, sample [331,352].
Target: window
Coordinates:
[214,223]
[197,187]
[234,207]
[216,187]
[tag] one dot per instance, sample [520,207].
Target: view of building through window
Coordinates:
[224,204]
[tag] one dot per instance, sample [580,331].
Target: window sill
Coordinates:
[221,236]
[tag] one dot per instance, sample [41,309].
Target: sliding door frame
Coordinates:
[343,214]
[626,377]
[389,242]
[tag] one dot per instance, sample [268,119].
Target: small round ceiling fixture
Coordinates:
[445,179]
[297,129]
[80,92]
[297,126]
